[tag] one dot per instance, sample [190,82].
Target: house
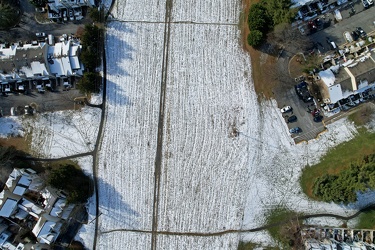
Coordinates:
[38,64]
[26,200]
[352,77]
[47,229]
[58,8]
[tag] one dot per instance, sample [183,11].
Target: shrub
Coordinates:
[90,83]
[8,16]
[258,18]
[344,186]
[73,181]
[255,38]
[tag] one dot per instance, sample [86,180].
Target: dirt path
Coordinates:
[159,149]
[220,233]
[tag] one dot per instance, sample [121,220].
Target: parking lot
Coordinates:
[335,32]
[46,94]
[28,26]
[61,98]
[363,18]
[301,110]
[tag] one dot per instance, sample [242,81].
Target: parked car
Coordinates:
[370,2]
[295,130]
[361,32]
[40,10]
[292,118]
[365,4]
[71,15]
[40,34]
[318,118]
[355,35]
[286,109]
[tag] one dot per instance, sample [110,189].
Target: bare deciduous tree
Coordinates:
[290,38]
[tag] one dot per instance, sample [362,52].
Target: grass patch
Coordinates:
[251,246]
[362,115]
[338,159]
[284,228]
[366,220]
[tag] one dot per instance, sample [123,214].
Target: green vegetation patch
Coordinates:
[366,219]
[344,186]
[251,246]
[9,14]
[265,15]
[339,159]
[363,115]
[284,227]
[73,181]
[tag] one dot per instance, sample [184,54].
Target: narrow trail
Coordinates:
[234,231]
[60,158]
[172,22]
[159,149]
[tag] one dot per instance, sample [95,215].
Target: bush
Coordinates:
[73,181]
[344,186]
[92,42]
[258,18]
[284,227]
[90,83]
[95,14]
[255,38]
[8,15]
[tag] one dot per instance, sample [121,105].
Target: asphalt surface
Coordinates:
[363,18]
[310,129]
[28,26]
[25,31]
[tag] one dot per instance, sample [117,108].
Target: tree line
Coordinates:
[91,54]
[345,186]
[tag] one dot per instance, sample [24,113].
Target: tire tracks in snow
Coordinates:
[159,149]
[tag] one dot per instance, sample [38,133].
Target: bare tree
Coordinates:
[290,38]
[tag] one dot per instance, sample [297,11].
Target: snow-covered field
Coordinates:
[208,96]
[63,133]
[226,159]
[127,154]
[211,180]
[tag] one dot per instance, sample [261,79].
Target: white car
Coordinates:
[40,10]
[286,109]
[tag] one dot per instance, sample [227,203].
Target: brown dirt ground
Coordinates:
[263,84]
[17,142]
[296,65]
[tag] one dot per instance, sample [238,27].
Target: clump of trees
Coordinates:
[265,15]
[9,14]
[284,227]
[73,181]
[344,186]
[91,55]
